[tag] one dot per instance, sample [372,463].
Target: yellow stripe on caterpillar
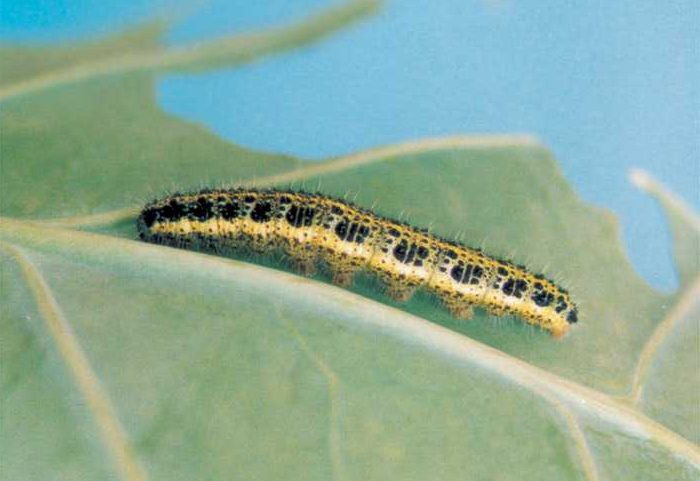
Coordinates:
[313,229]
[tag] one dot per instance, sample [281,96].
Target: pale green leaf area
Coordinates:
[124,360]
[672,394]
[45,429]
[58,160]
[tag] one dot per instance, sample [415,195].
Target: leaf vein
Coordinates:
[581,446]
[339,164]
[333,385]
[403,325]
[686,304]
[113,434]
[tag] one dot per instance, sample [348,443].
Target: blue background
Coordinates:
[606,85]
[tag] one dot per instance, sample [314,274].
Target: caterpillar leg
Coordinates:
[303,258]
[194,242]
[398,291]
[305,267]
[459,308]
[496,310]
[343,276]
[204,243]
[257,245]
[342,269]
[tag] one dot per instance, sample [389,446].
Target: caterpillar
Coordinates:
[313,229]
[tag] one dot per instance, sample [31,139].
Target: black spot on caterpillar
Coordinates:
[313,228]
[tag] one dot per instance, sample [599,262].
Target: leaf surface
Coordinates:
[123,360]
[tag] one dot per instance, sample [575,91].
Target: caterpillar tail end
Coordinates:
[559,332]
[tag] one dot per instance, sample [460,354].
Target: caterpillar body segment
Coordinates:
[313,229]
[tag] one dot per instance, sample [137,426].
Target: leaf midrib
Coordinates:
[413,329]
[96,398]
